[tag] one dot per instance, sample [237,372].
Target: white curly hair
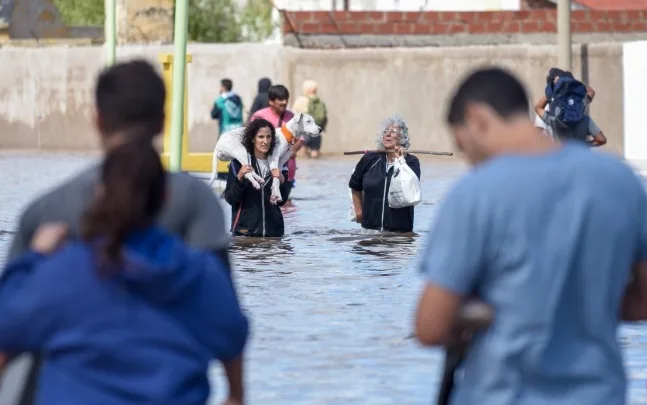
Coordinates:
[398,122]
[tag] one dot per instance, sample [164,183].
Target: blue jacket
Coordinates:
[144,335]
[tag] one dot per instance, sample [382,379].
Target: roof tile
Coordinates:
[613,4]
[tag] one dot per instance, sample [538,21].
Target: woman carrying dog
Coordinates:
[252,212]
[372,177]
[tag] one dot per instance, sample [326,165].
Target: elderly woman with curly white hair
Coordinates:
[371,179]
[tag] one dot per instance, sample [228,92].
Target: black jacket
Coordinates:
[258,217]
[371,177]
[261,101]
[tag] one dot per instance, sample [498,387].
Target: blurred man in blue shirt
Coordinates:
[551,236]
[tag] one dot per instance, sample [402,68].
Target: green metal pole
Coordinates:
[179,65]
[110,31]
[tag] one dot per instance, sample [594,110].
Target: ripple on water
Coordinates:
[330,307]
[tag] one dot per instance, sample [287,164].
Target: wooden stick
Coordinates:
[416,152]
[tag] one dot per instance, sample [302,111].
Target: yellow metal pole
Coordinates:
[166,60]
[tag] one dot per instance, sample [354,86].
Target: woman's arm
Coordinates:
[357,204]
[540,107]
[297,147]
[356,185]
[414,164]
[235,188]
[285,188]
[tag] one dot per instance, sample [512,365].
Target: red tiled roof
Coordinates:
[613,4]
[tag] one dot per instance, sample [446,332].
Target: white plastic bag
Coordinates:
[404,190]
[351,210]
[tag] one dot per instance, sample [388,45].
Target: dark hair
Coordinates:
[252,129]
[133,184]
[227,84]
[497,88]
[278,92]
[264,85]
[131,95]
[557,72]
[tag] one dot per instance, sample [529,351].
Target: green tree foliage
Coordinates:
[256,20]
[81,12]
[214,21]
[209,20]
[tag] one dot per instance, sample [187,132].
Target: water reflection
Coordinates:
[260,252]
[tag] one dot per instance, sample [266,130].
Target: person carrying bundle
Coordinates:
[385,185]
[563,109]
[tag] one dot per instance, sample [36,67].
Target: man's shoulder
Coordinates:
[187,192]
[74,188]
[258,114]
[181,182]
[614,169]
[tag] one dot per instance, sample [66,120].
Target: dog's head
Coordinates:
[305,126]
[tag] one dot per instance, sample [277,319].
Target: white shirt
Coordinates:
[264,167]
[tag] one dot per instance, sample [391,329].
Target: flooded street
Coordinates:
[330,309]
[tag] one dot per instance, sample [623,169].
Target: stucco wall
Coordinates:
[46,93]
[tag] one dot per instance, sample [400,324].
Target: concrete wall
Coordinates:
[46,93]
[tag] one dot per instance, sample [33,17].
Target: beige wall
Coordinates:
[46,93]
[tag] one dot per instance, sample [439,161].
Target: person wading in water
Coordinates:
[372,177]
[252,213]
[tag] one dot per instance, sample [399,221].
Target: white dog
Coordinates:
[230,147]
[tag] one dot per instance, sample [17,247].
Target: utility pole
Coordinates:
[346,5]
[564,38]
[179,86]
[110,31]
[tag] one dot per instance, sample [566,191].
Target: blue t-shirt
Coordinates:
[548,240]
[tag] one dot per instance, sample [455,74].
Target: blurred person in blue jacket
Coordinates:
[129,314]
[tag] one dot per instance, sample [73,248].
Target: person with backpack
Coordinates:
[563,109]
[312,105]
[228,108]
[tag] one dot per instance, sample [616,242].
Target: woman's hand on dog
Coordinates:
[243,171]
[276,173]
